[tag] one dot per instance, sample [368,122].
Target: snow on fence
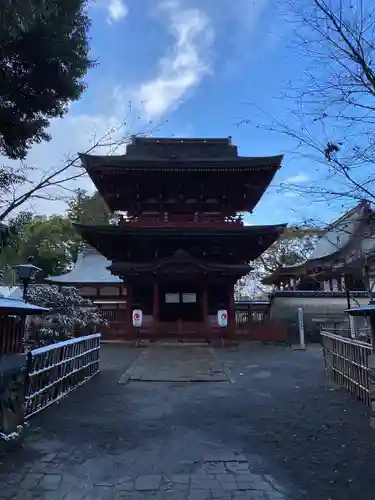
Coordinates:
[346,363]
[57,369]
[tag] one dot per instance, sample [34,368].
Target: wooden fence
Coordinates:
[252,316]
[346,363]
[57,369]
[29,384]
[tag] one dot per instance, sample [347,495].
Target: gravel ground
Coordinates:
[277,414]
[318,437]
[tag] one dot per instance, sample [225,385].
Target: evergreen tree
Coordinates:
[43,58]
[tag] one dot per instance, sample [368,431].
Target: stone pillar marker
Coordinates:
[301,329]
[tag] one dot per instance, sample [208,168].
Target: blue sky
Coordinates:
[192,68]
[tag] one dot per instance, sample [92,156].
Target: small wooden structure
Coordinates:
[369,312]
[13,313]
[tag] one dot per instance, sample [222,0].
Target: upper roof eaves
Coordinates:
[155,151]
[124,162]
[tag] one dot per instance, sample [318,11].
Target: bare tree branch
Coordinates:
[332,105]
[16,189]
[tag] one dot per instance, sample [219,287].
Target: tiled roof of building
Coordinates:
[352,230]
[90,268]
[341,232]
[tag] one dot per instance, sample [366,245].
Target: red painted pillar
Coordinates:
[155,305]
[205,307]
[129,307]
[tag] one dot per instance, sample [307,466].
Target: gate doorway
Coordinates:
[180,303]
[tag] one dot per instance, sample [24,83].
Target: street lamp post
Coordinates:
[26,273]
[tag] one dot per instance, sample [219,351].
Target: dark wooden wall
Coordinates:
[11,334]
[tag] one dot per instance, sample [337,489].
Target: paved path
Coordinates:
[273,430]
[176,363]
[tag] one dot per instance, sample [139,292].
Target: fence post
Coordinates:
[371,372]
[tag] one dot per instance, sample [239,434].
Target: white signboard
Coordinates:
[137,317]
[189,298]
[172,298]
[222,318]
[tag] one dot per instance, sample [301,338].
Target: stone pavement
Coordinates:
[176,363]
[272,430]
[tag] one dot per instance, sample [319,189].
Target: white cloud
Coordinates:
[185,65]
[117,10]
[297,179]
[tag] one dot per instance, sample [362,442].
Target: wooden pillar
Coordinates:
[155,306]
[155,302]
[204,306]
[129,307]
[232,313]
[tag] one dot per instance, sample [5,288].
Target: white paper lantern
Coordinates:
[222,318]
[137,317]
